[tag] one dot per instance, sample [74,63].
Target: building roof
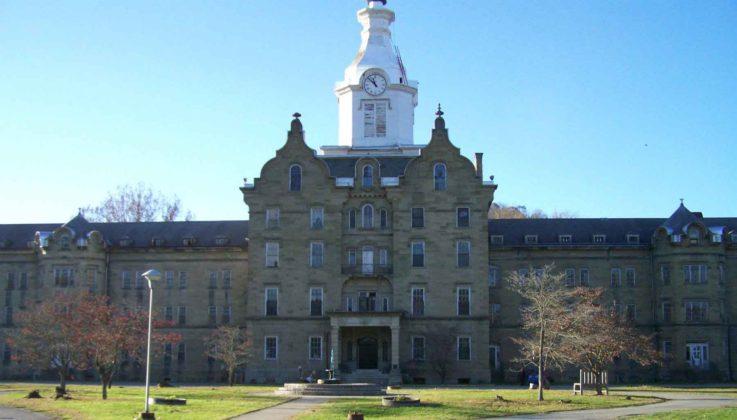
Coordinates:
[137,234]
[344,167]
[582,231]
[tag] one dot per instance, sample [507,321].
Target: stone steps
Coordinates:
[345,389]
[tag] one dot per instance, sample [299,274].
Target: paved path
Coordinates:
[286,410]
[676,401]
[18,414]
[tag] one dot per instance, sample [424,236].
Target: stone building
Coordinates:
[376,257]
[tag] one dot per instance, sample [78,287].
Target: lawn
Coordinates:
[708,413]
[453,403]
[719,389]
[203,402]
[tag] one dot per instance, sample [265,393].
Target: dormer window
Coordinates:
[633,238]
[694,235]
[368,176]
[733,238]
[530,239]
[716,238]
[64,243]
[599,239]
[158,242]
[497,239]
[440,174]
[565,239]
[82,243]
[189,241]
[374,119]
[221,240]
[124,242]
[675,238]
[295,178]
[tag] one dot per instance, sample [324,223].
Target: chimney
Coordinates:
[479,165]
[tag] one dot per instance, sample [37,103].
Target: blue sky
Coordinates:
[602,108]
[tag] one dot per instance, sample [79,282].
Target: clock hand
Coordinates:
[371,79]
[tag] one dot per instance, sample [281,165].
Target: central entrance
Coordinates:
[368,353]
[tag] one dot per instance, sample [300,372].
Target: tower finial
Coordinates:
[296,115]
[296,126]
[383,2]
[440,112]
[681,201]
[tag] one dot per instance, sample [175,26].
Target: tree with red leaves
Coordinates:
[230,345]
[49,337]
[111,335]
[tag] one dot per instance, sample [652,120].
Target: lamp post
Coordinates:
[151,276]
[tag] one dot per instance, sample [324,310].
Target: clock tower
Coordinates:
[376,101]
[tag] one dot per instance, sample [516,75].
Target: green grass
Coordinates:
[719,389]
[125,402]
[455,403]
[707,413]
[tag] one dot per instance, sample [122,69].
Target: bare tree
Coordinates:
[601,336]
[503,211]
[136,203]
[546,319]
[440,351]
[230,345]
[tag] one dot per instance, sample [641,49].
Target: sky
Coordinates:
[600,108]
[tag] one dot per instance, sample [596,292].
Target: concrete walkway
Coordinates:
[675,401]
[18,414]
[285,410]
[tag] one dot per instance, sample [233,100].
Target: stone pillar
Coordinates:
[335,347]
[395,376]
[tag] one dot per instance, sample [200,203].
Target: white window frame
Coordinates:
[458,300]
[445,178]
[411,217]
[424,348]
[412,301]
[313,262]
[458,217]
[493,276]
[497,239]
[275,258]
[309,347]
[351,257]
[322,301]
[618,272]
[458,253]
[370,176]
[367,223]
[458,348]
[289,178]
[570,274]
[497,362]
[317,213]
[633,238]
[272,217]
[703,348]
[581,272]
[531,239]
[627,271]
[276,347]
[372,113]
[266,301]
[599,238]
[412,255]
[565,239]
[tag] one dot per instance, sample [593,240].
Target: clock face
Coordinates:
[374,84]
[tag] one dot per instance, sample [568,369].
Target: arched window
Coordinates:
[368,176]
[295,178]
[352,219]
[383,219]
[367,219]
[441,177]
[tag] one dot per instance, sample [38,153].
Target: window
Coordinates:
[530,239]
[64,244]
[367,216]
[463,301]
[295,178]
[64,277]
[368,176]
[182,279]
[629,274]
[418,217]
[463,217]
[11,281]
[570,277]
[182,315]
[351,257]
[696,310]
[317,250]
[418,348]
[272,254]
[633,239]
[441,177]
[418,254]
[181,353]
[464,348]
[226,279]
[694,235]
[733,237]
[271,301]
[497,239]
[667,308]
[91,279]
[493,276]
[212,313]
[716,238]
[8,315]
[271,347]
[315,348]
[565,239]
[721,274]
[584,277]
[374,119]
[667,348]
[169,313]
[694,274]
[349,304]
[349,351]
[383,219]
[495,310]
[385,304]
[317,218]
[7,354]
[352,219]
[169,276]
[418,301]
[383,257]
[615,279]
[697,355]
[24,281]
[665,275]
[167,357]
[495,362]
[599,239]
[631,312]
[366,301]
[463,253]
[227,313]
[316,301]
[139,280]
[213,280]
[675,238]
[272,218]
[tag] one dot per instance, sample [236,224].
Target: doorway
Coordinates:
[368,353]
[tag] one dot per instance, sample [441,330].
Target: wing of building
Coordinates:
[376,257]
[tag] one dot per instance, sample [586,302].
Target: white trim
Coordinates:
[458,253]
[276,339]
[309,347]
[322,262]
[458,300]
[313,211]
[289,177]
[412,255]
[266,299]
[363,175]
[599,236]
[363,216]
[266,255]
[412,300]
[445,167]
[497,359]
[458,219]
[531,239]
[424,347]
[458,348]
[411,218]
[322,301]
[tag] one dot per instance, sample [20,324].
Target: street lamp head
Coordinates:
[152,275]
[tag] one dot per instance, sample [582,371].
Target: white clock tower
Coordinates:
[376,101]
